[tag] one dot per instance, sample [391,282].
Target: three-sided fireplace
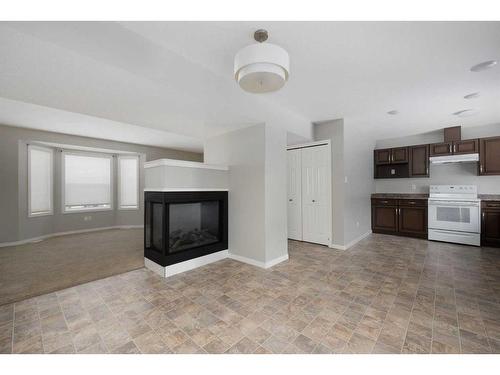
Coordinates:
[180,226]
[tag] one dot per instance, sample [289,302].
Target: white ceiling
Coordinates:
[176,77]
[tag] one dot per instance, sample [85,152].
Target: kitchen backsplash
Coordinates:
[446,174]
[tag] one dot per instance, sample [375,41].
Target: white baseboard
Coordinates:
[257,263]
[187,265]
[45,236]
[352,243]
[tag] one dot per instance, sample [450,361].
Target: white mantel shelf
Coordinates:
[183,163]
[184,189]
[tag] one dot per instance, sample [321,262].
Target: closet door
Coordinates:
[294,195]
[316,194]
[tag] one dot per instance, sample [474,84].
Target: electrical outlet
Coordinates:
[87,218]
[413,187]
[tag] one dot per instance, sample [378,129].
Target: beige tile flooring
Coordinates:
[385,295]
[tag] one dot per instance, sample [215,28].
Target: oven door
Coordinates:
[454,215]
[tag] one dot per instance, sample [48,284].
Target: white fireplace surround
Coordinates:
[169,175]
[181,175]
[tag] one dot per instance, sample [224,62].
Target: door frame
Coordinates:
[328,143]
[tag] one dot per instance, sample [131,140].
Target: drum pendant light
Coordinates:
[261,67]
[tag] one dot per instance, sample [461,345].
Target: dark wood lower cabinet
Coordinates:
[406,217]
[412,221]
[490,223]
[384,219]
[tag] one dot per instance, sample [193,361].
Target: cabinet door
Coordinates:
[470,146]
[413,221]
[384,219]
[490,228]
[316,194]
[294,194]
[400,155]
[382,156]
[419,161]
[441,149]
[489,156]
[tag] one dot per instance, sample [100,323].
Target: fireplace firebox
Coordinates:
[180,226]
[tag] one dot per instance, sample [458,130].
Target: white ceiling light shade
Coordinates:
[261,67]
[483,66]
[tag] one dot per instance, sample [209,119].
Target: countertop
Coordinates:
[489,197]
[483,197]
[400,196]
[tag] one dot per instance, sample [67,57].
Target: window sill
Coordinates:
[30,215]
[84,210]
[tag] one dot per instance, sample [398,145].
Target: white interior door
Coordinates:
[316,194]
[294,195]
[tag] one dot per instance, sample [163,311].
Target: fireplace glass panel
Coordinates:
[157,226]
[193,224]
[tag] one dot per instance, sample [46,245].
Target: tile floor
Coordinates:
[385,295]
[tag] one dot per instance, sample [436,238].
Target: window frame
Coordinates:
[63,181]
[138,158]
[51,152]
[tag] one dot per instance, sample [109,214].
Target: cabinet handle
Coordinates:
[314,200]
[290,200]
[449,148]
[412,202]
[454,148]
[481,168]
[385,202]
[427,170]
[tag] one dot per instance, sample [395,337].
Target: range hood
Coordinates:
[465,158]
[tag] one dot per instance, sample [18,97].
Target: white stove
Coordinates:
[453,215]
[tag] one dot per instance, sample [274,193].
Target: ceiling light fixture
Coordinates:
[483,66]
[474,95]
[466,113]
[261,67]
[393,112]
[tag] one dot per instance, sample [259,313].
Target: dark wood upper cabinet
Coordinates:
[441,149]
[382,156]
[452,134]
[470,146]
[490,223]
[419,161]
[400,155]
[489,156]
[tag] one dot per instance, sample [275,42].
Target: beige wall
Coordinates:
[14,222]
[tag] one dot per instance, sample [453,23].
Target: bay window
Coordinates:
[87,182]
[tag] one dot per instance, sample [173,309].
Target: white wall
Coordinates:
[358,157]
[352,179]
[334,131]
[256,157]
[276,193]
[244,152]
[460,174]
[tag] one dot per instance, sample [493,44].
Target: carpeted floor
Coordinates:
[61,262]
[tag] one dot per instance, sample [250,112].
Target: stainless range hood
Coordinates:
[465,158]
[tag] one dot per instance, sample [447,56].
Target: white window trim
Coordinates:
[63,182]
[136,157]
[51,212]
